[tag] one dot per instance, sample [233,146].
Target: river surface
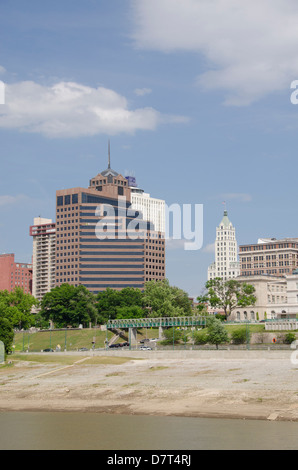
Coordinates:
[92,431]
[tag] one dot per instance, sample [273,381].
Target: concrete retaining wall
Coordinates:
[282,325]
[184,354]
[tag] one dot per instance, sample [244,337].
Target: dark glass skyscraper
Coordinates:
[101,242]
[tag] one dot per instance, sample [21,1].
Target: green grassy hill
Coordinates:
[72,339]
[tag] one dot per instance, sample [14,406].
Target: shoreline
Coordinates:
[125,412]
[229,385]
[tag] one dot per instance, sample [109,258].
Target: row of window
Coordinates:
[67,200]
[100,259]
[101,287]
[107,252]
[85,279]
[133,273]
[265,271]
[106,244]
[104,181]
[65,273]
[67,209]
[268,257]
[114,266]
[155,267]
[69,240]
[277,299]
[268,265]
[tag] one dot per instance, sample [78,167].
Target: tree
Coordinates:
[69,305]
[229,295]
[202,304]
[163,300]
[16,306]
[130,312]
[172,335]
[217,334]
[6,334]
[131,297]
[110,301]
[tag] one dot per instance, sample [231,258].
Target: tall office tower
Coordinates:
[14,274]
[269,257]
[44,248]
[152,210]
[226,265]
[101,241]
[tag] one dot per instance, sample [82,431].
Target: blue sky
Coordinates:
[194,96]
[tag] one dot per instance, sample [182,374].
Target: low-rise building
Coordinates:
[14,274]
[277,298]
[269,257]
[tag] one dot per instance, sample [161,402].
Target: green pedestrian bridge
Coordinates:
[163,322]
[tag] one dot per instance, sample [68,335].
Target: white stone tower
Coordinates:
[226,265]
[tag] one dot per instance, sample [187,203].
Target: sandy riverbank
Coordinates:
[230,384]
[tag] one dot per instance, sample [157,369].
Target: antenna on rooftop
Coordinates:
[109,154]
[225,206]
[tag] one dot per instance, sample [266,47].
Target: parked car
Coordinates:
[48,350]
[145,348]
[114,346]
[83,349]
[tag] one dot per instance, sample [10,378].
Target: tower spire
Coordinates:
[225,208]
[109,154]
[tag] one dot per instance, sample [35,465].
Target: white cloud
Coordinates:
[143,91]
[175,244]
[69,109]
[6,200]
[210,248]
[2,70]
[241,197]
[249,47]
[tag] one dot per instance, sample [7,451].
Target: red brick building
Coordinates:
[13,274]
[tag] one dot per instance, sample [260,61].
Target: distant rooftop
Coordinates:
[269,240]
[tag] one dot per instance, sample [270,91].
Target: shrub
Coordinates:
[240,336]
[6,334]
[290,337]
[201,337]
[171,335]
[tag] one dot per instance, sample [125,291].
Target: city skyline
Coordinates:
[195,122]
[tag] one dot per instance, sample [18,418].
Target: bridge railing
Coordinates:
[157,322]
